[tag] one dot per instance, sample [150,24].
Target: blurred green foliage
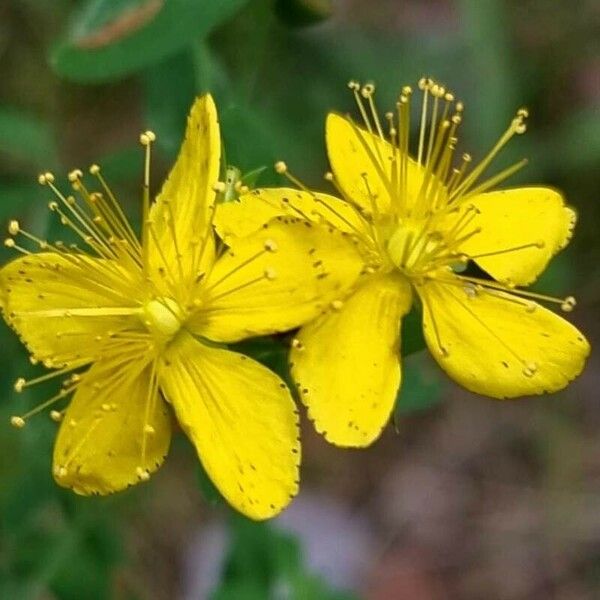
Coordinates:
[265,562]
[274,77]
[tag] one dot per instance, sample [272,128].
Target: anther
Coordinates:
[568,304]
[19,384]
[45,178]
[18,422]
[297,344]
[9,243]
[270,246]
[219,187]
[94,169]
[354,85]
[367,90]
[270,274]
[56,416]
[280,167]
[337,304]
[13,227]
[328,176]
[147,138]
[75,175]
[149,429]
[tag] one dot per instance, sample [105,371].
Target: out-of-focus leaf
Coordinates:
[412,333]
[251,137]
[169,93]
[26,139]
[575,144]
[17,195]
[123,165]
[109,39]
[490,64]
[421,387]
[300,13]
[266,562]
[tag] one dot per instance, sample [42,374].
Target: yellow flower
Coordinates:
[430,232]
[149,317]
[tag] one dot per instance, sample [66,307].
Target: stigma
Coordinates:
[162,317]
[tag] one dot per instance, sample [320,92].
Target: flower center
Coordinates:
[163,317]
[412,247]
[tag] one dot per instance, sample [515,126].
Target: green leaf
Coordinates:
[26,139]
[16,195]
[421,387]
[300,13]
[264,561]
[109,39]
[575,144]
[412,333]
[166,113]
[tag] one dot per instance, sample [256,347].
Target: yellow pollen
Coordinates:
[162,316]
[568,304]
[18,422]
[280,167]
[19,384]
[56,416]
[337,305]
[13,227]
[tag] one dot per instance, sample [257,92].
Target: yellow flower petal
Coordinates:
[521,229]
[496,344]
[242,420]
[182,244]
[116,430]
[275,280]
[347,363]
[240,218]
[362,166]
[59,307]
